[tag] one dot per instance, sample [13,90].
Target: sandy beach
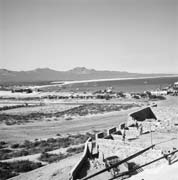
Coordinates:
[111,79]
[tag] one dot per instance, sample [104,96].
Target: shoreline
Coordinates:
[110,79]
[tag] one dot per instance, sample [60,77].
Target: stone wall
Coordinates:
[77,168]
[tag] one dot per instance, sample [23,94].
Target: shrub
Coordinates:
[154,97]
[68,118]
[52,157]
[6,172]
[46,149]
[5,151]
[121,94]
[1,147]
[29,147]
[15,146]
[21,153]
[51,140]
[9,123]
[24,166]
[11,169]
[3,143]
[161,97]
[75,150]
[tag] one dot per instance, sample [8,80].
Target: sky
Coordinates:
[122,35]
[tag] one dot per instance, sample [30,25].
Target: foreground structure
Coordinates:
[119,153]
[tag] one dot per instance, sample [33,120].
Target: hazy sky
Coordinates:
[123,35]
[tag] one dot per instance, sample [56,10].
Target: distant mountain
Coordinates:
[81,70]
[78,73]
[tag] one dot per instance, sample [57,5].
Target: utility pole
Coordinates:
[151,134]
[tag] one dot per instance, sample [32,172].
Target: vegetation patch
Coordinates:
[47,157]
[3,144]
[157,98]
[83,110]
[4,108]
[10,169]
[75,150]
[29,147]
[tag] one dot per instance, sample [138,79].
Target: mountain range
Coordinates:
[78,73]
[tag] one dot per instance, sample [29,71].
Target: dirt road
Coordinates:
[45,129]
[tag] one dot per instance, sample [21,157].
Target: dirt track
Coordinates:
[19,133]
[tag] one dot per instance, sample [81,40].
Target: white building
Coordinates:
[158,93]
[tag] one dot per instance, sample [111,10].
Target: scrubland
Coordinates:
[49,125]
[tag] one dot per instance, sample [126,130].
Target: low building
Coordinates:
[159,93]
[144,120]
[143,114]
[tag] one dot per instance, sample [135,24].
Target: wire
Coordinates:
[137,168]
[125,160]
[120,162]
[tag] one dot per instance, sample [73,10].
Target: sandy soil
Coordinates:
[45,129]
[164,172]
[166,111]
[54,171]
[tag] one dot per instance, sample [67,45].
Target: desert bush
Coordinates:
[2,143]
[15,146]
[68,118]
[10,169]
[82,110]
[7,154]
[5,151]
[121,94]
[161,97]
[22,153]
[50,144]
[1,147]
[52,157]
[6,172]
[75,150]
[9,123]
[136,96]
[154,97]
[46,149]
[26,144]
[24,166]
[51,140]
[143,95]
[4,154]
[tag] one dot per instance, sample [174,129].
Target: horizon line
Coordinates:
[173,73]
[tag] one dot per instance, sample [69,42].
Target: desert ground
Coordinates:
[43,130]
[166,110]
[64,126]
[41,119]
